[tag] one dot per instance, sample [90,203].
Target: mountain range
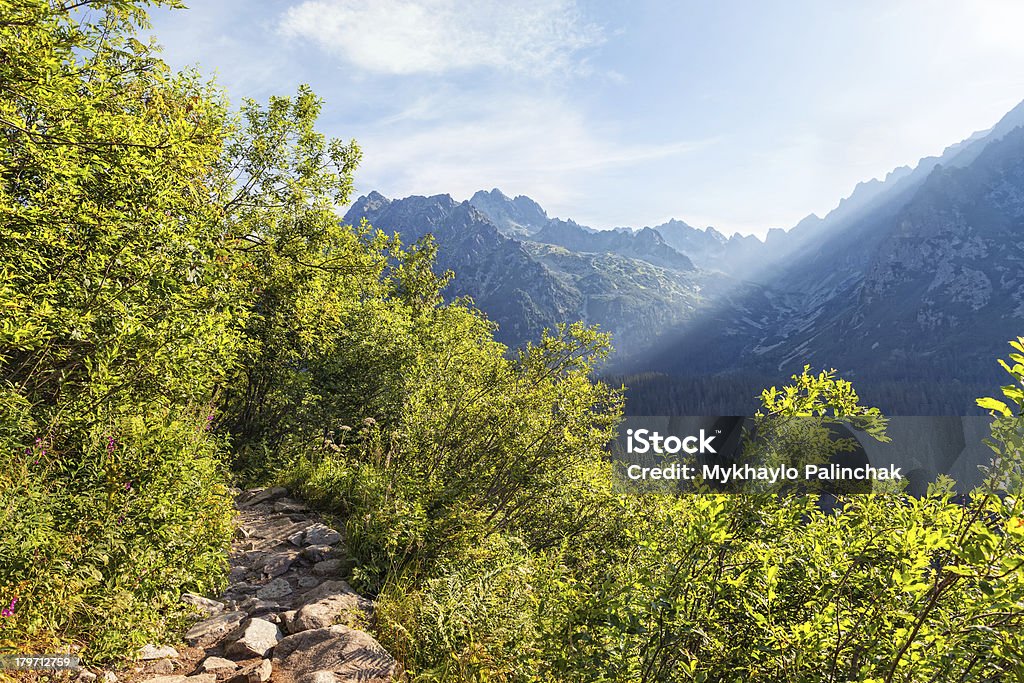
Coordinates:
[910,287]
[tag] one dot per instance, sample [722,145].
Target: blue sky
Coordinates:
[742,115]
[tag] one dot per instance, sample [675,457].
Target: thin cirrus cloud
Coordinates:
[539,146]
[440,128]
[405,37]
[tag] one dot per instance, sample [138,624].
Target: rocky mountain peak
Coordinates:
[520,216]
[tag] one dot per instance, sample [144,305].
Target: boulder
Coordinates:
[290,505]
[278,588]
[350,655]
[215,664]
[151,651]
[205,604]
[257,638]
[160,666]
[254,673]
[321,534]
[327,567]
[343,606]
[286,619]
[317,553]
[256,496]
[208,632]
[318,677]
[276,564]
[255,607]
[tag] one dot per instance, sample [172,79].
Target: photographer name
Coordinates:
[771,475]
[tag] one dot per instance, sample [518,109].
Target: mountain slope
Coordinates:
[519,217]
[526,287]
[646,244]
[922,282]
[511,287]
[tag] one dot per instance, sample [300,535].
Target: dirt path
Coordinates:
[285,616]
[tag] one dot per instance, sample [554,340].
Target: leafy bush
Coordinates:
[118,324]
[663,588]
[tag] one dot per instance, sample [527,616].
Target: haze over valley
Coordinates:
[913,282]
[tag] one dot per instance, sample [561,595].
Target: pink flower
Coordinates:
[9,610]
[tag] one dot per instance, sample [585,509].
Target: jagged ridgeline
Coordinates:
[910,286]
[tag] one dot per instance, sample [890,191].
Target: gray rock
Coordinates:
[327,589]
[255,607]
[210,631]
[109,677]
[337,604]
[308,581]
[327,567]
[243,587]
[320,534]
[86,676]
[286,620]
[278,588]
[237,574]
[258,637]
[150,651]
[290,505]
[296,538]
[160,666]
[215,664]
[254,673]
[258,496]
[318,677]
[254,558]
[241,533]
[279,563]
[199,678]
[349,654]
[317,553]
[205,604]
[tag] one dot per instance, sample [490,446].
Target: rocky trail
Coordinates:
[284,616]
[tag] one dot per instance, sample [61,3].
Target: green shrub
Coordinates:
[100,539]
[118,324]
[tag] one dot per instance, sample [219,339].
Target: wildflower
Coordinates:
[9,610]
[111,444]
[128,485]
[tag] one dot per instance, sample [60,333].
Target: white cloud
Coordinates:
[539,146]
[435,36]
